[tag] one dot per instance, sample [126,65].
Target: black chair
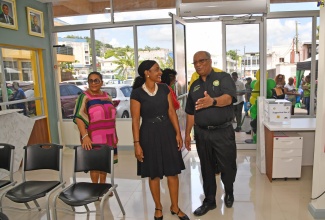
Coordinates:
[37,157]
[100,158]
[6,164]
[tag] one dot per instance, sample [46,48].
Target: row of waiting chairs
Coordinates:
[49,156]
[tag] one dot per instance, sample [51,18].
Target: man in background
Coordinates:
[238,106]
[4,16]
[248,94]
[35,26]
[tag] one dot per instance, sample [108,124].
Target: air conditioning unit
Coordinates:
[224,8]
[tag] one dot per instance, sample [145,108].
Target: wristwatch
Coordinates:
[214,103]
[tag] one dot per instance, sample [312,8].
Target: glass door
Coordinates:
[242,59]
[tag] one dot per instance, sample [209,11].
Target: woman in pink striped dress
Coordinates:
[95,117]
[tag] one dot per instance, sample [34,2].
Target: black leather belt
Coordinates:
[216,126]
[157,119]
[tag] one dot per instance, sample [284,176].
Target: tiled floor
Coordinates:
[255,197]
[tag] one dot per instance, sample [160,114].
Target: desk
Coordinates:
[304,127]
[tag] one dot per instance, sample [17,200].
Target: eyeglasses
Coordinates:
[202,61]
[94,81]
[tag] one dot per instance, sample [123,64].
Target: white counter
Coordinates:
[297,124]
[305,127]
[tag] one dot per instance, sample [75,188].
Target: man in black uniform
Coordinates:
[209,108]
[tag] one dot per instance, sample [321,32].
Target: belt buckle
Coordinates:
[211,127]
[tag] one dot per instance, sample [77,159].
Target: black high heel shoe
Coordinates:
[159,218]
[185,217]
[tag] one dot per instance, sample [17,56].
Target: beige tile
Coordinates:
[256,198]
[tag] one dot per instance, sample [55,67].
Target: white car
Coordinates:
[120,94]
[82,84]
[109,78]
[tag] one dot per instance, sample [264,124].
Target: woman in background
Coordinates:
[166,77]
[278,91]
[158,142]
[95,117]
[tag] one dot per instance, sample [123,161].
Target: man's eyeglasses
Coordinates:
[202,61]
[94,81]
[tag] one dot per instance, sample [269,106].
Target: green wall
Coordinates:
[21,37]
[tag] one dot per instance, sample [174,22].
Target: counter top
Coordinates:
[9,111]
[296,124]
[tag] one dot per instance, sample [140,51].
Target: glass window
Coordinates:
[115,54]
[143,15]
[20,77]
[304,6]
[287,49]
[126,91]
[72,55]
[204,33]
[155,43]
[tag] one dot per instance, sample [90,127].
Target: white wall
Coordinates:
[70,134]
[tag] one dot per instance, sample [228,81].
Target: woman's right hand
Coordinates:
[86,143]
[138,152]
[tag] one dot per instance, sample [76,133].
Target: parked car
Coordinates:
[82,84]
[120,94]
[109,78]
[68,96]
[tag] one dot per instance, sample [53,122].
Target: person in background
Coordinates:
[158,141]
[278,91]
[95,117]
[10,93]
[172,76]
[248,93]
[35,26]
[291,93]
[195,76]
[18,95]
[209,109]
[306,88]
[238,106]
[167,79]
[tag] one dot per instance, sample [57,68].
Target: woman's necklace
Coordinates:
[147,90]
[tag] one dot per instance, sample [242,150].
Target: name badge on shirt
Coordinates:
[216,82]
[196,88]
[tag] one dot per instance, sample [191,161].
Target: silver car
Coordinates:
[121,98]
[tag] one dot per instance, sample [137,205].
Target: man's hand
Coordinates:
[204,102]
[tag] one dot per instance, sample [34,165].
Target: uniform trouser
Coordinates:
[238,109]
[216,146]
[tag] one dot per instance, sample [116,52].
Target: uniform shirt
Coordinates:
[240,87]
[216,84]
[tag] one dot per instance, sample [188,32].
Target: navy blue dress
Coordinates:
[157,138]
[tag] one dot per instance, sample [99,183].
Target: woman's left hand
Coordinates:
[179,141]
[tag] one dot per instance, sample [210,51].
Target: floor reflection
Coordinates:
[255,197]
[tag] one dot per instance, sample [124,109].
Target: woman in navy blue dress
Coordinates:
[158,141]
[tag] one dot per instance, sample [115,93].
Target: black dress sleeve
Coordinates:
[135,94]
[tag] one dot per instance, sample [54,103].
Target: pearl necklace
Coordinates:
[147,91]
